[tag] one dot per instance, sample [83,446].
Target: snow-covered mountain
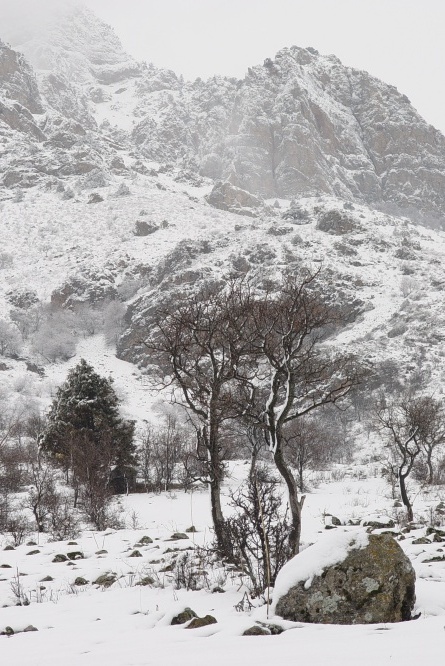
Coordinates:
[299,125]
[108,170]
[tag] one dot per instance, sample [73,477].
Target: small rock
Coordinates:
[5,566]
[178,535]
[80,581]
[256,630]
[95,198]
[76,555]
[33,552]
[192,529]
[101,552]
[47,579]
[30,627]
[9,548]
[145,541]
[9,631]
[60,558]
[198,622]
[135,553]
[420,541]
[31,543]
[185,616]
[106,579]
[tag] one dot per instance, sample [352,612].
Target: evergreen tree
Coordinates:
[85,432]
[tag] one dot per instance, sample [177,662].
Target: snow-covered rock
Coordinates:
[347,577]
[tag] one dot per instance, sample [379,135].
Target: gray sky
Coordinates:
[399,41]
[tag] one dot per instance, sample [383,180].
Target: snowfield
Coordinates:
[128,624]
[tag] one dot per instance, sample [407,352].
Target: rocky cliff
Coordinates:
[301,124]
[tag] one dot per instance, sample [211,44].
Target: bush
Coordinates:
[259,531]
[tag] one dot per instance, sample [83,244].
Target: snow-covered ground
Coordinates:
[129,624]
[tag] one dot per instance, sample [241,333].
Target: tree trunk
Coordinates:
[218,519]
[405,498]
[429,463]
[295,504]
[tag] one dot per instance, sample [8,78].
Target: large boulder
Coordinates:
[226,196]
[348,577]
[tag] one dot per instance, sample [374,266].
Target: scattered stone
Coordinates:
[256,630]
[436,531]
[60,558]
[421,541]
[185,616]
[198,622]
[94,197]
[9,547]
[218,590]
[30,627]
[9,631]
[5,566]
[72,543]
[135,553]
[379,524]
[31,543]
[143,228]
[192,529]
[80,581]
[47,579]
[166,569]
[374,583]
[33,552]
[106,579]
[145,541]
[177,535]
[335,521]
[76,555]
[275,629]
[101,552]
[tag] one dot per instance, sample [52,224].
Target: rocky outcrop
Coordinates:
[374,583]
[18,81]
[302,124]
[226,196]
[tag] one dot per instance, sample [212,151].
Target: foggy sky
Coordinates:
[399,41]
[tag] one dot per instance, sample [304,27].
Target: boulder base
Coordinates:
[371,585]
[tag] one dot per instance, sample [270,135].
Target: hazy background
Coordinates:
[399,41]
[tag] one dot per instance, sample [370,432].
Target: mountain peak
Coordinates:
[71,41]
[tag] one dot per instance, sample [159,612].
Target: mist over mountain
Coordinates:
[299,125]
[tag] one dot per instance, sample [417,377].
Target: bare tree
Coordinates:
[42,491]
[402,422]
[203,346]
[431,425]
[300,372]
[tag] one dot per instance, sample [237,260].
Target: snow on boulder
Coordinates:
[226,196]
[347,577]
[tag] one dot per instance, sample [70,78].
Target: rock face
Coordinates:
[371,585]
[301,124]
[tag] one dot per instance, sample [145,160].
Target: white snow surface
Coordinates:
[331,549]
[129,625]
